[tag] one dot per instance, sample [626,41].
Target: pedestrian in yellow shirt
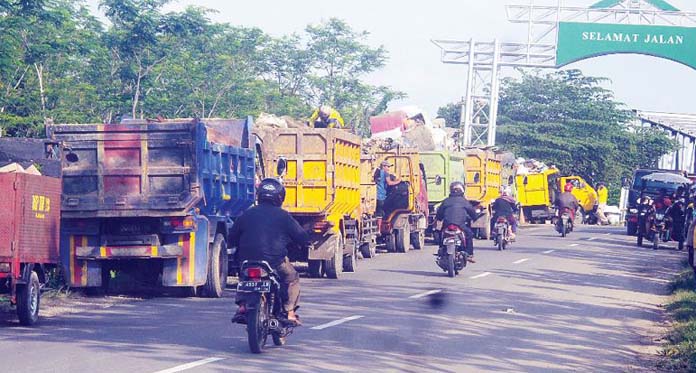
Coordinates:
[602,198]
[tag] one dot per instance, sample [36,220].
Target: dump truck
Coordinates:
[483,183]
[584,192]
[442,168]
[30,222]
[536,193]
[153,201]
[405,217]
[320,168]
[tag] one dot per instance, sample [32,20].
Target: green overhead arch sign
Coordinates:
[579,41]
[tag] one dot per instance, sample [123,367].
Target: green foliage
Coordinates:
[679,353]
[59,62]
[569,120]
[451,113]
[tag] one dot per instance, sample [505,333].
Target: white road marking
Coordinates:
[337,322]
[591,238]
[520,261]
[480,275]
[574,244]
[548,251]
[607,234]
[183,367]
[421,295]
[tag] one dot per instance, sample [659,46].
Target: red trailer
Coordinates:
[29,234]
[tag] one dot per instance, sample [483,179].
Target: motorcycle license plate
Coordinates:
[254,286]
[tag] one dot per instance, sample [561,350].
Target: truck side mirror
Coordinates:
[282,167]
[438,180]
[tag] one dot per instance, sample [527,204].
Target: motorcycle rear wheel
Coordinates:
[640,239]
[563,230]
[501,243]
[656,241]
[257,331]
[450,265]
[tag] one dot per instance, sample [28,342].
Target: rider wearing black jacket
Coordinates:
[456,210]
[264,232]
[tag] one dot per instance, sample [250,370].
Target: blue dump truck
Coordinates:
[153,202]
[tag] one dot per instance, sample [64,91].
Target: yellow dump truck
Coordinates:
[320,169]
[405,220]
[483,183]
[585,193]
[536,193]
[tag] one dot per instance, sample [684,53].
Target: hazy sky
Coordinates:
[406,28]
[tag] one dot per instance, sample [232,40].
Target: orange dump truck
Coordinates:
[320,169]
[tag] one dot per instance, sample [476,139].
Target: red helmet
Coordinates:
[568,187]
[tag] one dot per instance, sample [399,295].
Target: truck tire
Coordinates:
[350,262]
[368,250]
[216,281]
[334,267]
[314,268]
[418,240]
[391,242]
[403,240]
[28,300]
[631,229]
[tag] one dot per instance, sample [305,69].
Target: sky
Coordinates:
[406,29]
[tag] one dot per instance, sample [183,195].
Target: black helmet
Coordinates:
[457,187]
[271,190]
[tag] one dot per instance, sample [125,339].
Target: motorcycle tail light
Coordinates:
[254,272]
[452,227]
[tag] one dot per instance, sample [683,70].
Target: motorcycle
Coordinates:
[564,223]
[451,256]
[259,288]
[501,233]
[646,217]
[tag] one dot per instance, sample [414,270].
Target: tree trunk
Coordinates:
[42,93]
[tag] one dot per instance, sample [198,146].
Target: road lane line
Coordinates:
[574,244]
[181,368]
[421,295]
[548,251]
[591,238]
[520,261]
[480,275]
[337,322]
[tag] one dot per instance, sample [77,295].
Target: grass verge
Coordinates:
[679,352]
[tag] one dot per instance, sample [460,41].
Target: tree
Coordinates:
[339,59]
[451,113]
[568,120]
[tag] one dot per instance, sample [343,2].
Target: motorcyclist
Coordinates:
[566,200]
[505,206]
[264,232]
[456,210]
[326,117]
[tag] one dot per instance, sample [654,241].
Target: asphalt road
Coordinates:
[588,302]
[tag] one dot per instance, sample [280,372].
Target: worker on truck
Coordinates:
[326,117]
[264,232]
[384,180]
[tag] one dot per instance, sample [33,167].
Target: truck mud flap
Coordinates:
[324,248]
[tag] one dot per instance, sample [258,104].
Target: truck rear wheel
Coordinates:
[217,268]
[314,268]
[28,299]
[334,267]
[368,250]
[418,240]
[403,240]
[391,242]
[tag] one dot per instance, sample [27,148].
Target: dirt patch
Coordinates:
[57,304]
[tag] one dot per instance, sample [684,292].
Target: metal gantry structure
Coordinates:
[485,59]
